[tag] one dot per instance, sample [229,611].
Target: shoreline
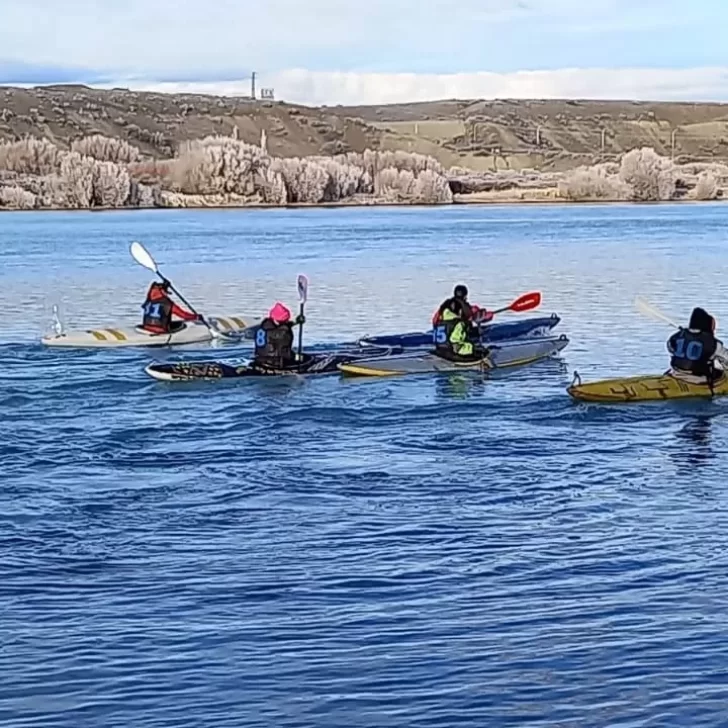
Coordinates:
[470,200]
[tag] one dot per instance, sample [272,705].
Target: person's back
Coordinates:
[274,340]
[470,311]
[158,309]
[694,349]
[453,335]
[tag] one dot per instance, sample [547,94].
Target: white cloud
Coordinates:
[312,87]
[168,36]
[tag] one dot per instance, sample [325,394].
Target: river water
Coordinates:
[427,551]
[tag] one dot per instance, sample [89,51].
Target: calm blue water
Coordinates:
[415,552]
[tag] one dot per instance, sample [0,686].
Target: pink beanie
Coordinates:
[279,313]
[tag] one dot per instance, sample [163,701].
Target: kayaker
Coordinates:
[274,339]
[159,309]
[470,310]
[455,335]
[695,350]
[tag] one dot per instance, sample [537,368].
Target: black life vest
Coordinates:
[157,312]
[274,344]
[693,351]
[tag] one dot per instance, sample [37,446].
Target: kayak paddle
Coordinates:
[142,256]
[302,283]
[653,312]
[649,310]
[526,302]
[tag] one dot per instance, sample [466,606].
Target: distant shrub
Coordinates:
[592,183]
[402,185]
[106,149]
[649,175]
[111,185]
[218,164]
[345,179]
[142,195]
[16,198]
[50,191]
[30,156]
[394,185]
[275,191]
[321,179]
[706,187]
[374,161]
[306,180]
[432,188]
[77,180]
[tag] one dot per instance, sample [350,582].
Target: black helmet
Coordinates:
[460,292]
[701,320]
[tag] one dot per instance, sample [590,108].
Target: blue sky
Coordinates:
[343,51]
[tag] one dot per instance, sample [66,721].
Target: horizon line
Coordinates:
[468,100]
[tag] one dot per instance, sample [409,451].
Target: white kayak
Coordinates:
[502,355]
[191,332]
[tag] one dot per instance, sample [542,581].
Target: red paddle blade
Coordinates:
[526,302]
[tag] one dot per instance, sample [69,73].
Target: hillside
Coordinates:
[476,134]
[156,122]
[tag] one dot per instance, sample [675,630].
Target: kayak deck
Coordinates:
[507,354]
[501,331]
[185,371]
[644,388]
[192,332]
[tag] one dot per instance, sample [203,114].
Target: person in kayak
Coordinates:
[475,313]
[456,335]
[695,350]
[274,339]
[159,309]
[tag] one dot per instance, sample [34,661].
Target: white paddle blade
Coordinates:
[649,310]
[302,288]
[142,256]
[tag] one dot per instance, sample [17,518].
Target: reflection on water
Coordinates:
[459,386]
[693,444]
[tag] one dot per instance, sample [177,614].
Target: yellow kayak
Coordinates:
[643,389]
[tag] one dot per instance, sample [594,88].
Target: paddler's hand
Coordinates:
[300,319]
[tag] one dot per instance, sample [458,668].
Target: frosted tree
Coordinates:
[77,180]
[16,198]
[432,188]
[306,180]
[706,187]
[111,185]
[649,175]
[219,164]
[106,149]
[593,183]
[30,156]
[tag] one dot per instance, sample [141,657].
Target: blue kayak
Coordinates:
[537,326]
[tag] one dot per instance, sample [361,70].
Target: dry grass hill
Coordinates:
[480,135]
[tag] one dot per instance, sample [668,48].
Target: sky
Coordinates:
[374,51]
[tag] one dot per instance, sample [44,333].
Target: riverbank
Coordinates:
[522,197]
[216,172]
